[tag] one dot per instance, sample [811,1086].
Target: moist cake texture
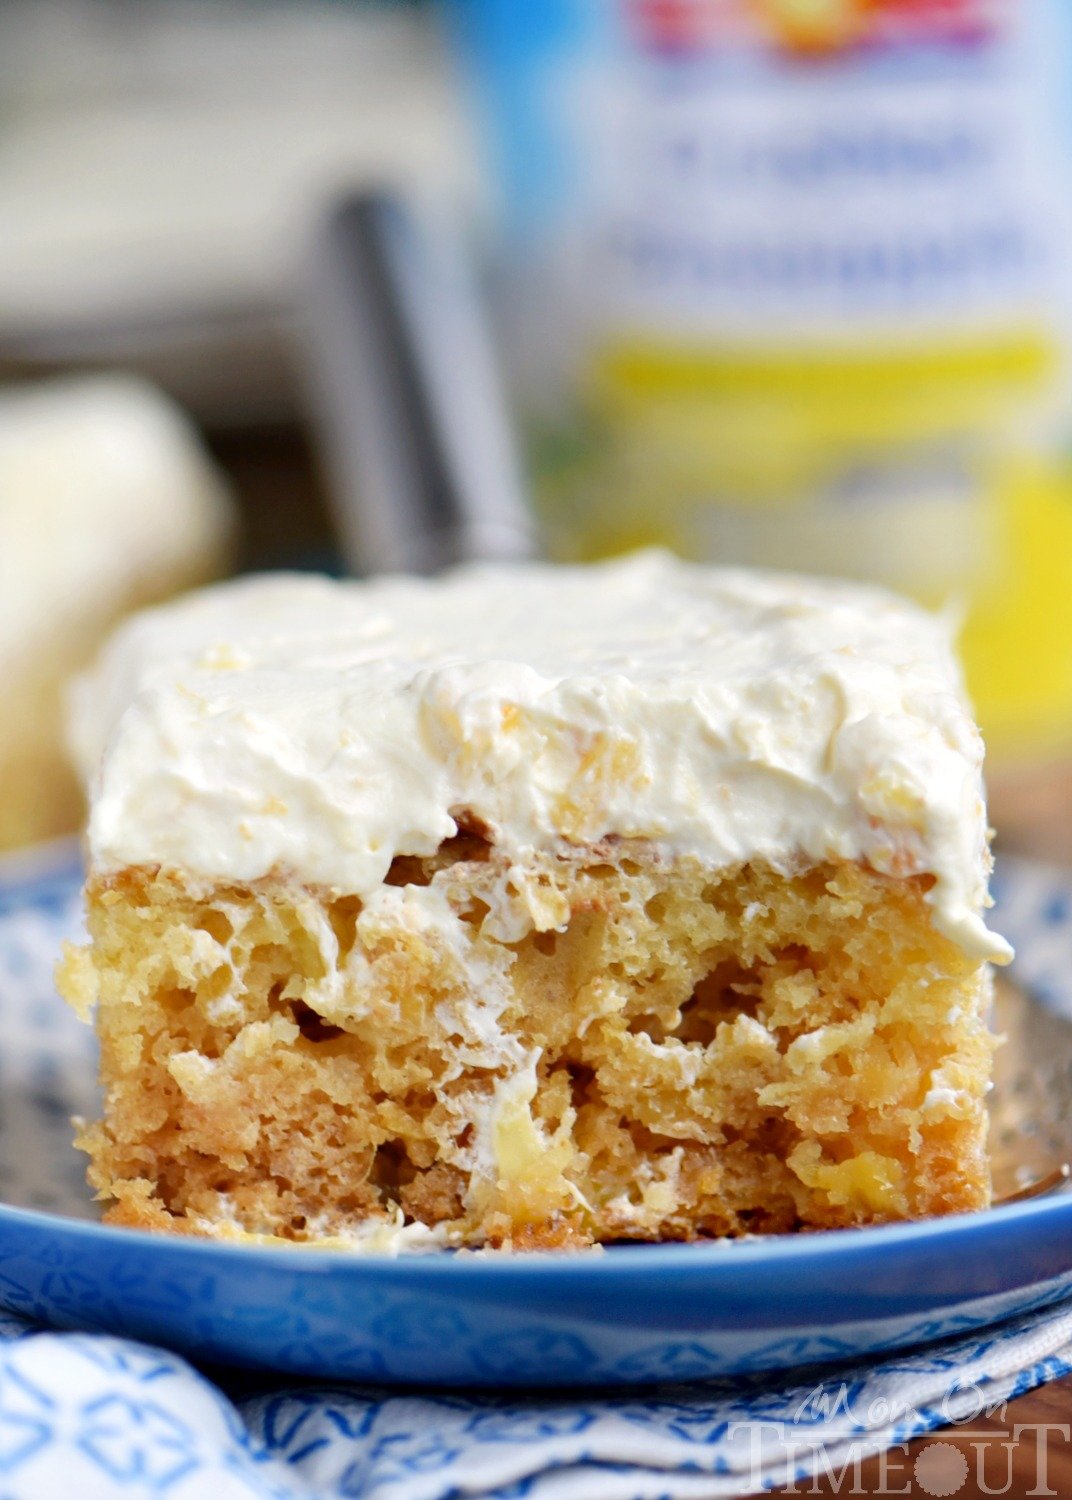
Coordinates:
[534,907]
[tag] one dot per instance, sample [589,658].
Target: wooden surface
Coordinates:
[284,515]
[286,524]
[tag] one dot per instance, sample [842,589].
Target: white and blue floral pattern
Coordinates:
[93,1416]
[726,1405]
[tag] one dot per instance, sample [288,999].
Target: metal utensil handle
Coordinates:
[410,408]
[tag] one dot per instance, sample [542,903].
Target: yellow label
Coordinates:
[1017,639]
[890,463]
[769,425]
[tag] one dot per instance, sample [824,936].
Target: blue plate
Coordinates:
[627,1315]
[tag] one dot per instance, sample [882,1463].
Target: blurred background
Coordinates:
[773,282]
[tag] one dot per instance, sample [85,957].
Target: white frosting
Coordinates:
[386,1236]
[103,486]
[317,729]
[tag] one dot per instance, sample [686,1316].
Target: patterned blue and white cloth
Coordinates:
[95,1417]
[87,1416]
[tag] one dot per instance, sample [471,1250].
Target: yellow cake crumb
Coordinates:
[608,1045]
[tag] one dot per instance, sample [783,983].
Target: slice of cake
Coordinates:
[108,502]
[536,907]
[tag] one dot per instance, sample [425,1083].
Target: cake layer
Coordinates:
[296,728]
[601,1046]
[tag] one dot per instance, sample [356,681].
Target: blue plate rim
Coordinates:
[774,1251]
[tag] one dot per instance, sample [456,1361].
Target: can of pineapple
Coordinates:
[787,283]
